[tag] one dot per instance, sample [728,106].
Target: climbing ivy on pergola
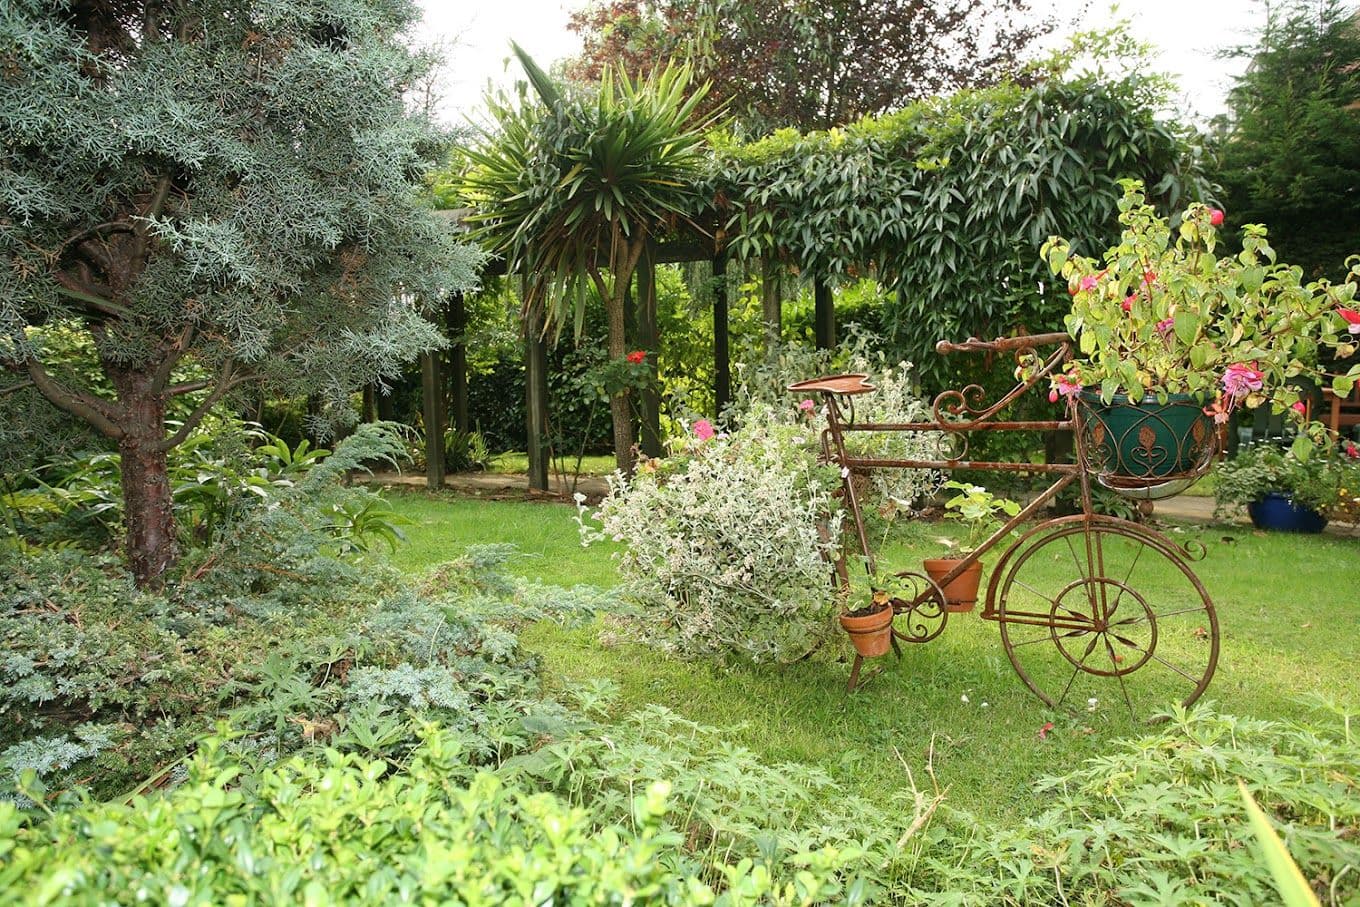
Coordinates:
[946,202]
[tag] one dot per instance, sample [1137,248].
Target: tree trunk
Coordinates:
[149,545]
[618,406]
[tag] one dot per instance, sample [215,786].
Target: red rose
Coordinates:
[636,357]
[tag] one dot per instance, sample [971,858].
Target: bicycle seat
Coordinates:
[843,385]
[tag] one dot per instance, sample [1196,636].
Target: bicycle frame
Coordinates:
[841,423]
[957,412]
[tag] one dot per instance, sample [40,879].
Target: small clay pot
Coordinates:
[871,633]
[961,592]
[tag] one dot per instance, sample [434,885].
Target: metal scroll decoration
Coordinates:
[921,612]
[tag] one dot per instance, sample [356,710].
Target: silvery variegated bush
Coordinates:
[760,392]
[728,543]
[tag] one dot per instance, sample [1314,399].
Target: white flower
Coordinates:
[579,498]
[984,705]
[845,472]
[963,698]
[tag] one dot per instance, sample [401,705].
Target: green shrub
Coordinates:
[219,476]
[1328,485]
[342,829]
[727,545]
[1160,820]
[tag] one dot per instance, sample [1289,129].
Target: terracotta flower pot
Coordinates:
[871,633]
[961,592]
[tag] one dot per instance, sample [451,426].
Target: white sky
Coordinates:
[1188,33]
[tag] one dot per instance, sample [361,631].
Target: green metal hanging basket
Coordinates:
[1134,444]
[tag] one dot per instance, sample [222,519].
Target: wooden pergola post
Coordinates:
[771,304]
[456,323]
[824,315]
[722,354]
[432,391]
[649,339]
[536,401]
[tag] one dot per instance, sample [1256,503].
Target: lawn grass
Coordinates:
[1288,609]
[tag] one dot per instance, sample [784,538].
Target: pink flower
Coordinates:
[1352,319]
[1064,386]
[1352,451]
[1299,407]
[1240,379]
[703,430]
[1220,411]
[1216,217]
[1127,304]
[636,357]
[1165,325]
[1149,277]
[1090,281]
[1043,731]
[806,406]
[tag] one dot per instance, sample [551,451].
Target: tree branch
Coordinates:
[93,410]
[224,383]
[14,388]
[188,387]
[173,354]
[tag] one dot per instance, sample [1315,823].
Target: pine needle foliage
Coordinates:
[222,194]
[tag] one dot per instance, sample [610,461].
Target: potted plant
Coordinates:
[981,513]
[1285,493]
[870,627]
[1171,339]
[1347,506]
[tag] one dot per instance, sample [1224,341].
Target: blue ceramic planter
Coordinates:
[1278,513]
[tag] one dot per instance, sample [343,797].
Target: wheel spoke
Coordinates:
[1125,583]
[1095,638]
[1029,588]
[1077,615]
[1049,637]
[1084,573]
[1123,687]
[1155,657]
[1161,660]
[1144,618]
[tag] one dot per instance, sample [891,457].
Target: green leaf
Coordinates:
[1289,881]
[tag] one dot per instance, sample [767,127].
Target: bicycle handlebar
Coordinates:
[1023,342]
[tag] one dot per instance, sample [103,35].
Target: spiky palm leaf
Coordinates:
[567,187]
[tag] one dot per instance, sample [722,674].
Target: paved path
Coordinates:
[497,485]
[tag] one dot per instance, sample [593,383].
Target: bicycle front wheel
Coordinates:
[1104,615]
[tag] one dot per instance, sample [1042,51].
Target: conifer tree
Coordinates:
[223,195]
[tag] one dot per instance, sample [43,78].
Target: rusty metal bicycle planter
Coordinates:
[1083,602]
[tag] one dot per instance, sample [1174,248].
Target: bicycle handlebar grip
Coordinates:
[945,347]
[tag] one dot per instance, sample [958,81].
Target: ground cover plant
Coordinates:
[598,802]
[987,755]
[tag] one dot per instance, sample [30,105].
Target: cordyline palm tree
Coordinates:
[570,190]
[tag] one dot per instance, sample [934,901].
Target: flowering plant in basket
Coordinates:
[1161,316]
